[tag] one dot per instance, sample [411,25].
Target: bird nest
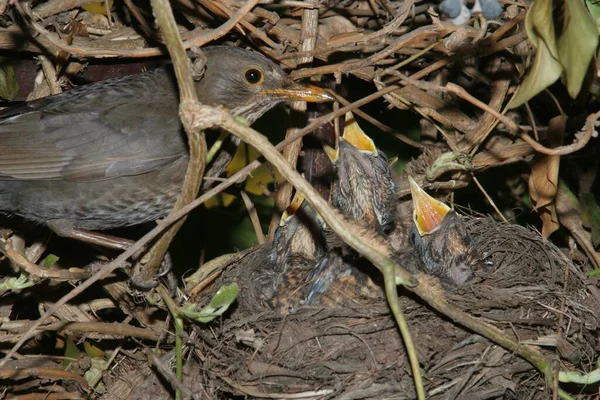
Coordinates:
[531,291]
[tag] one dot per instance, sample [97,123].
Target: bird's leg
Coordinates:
[100,239]
[64,229]
[114,242]
[165,270]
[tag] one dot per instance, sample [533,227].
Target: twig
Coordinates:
[416,36]
[50,73]
[112,329]
[178,322]
[256,393]
[47,373]
[260,236]
[402,14]
[513,127]
[403,138]
[239,17]
[308,40]
[53,44]
[36,271]
[140,19]
[167,374]
[489,198]
[188,109]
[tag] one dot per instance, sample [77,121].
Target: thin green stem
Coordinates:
[391,294]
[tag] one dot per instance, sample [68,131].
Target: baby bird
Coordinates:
[363,191]
[440,240]
[297,247]
[363,187]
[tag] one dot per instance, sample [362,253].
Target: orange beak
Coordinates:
[428,212]
[300,92]
[294,206]
[332,153]
[354,135]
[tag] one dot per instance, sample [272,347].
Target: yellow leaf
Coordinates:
[577,44]
[98,8]
[220,200]
[260,176]
[92,350]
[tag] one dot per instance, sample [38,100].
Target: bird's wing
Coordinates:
[95,133]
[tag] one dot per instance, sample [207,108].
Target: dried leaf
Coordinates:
[549,220]
[577,44]
[9,87]
[546,68]
[336,27]
[543,181]
[76,28]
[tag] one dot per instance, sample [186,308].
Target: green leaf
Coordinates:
[590,216]
[577,44]
[582,379]
[94,375]
[71,351]
[22,282]
[220,302]
[546,68]
[49,261]
[540,26]
[594,8]
[9,87]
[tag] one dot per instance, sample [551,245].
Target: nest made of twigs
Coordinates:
[530,291]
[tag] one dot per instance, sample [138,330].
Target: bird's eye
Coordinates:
[254,76]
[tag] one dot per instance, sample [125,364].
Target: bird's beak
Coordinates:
[428,212]
[354,135]
[332,153]
[294,206]
[300,92]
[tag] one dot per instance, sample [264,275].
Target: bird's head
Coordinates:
[298,234]
[249,84]
[363,188]
[440,239]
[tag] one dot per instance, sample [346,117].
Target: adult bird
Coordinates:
[113,153]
